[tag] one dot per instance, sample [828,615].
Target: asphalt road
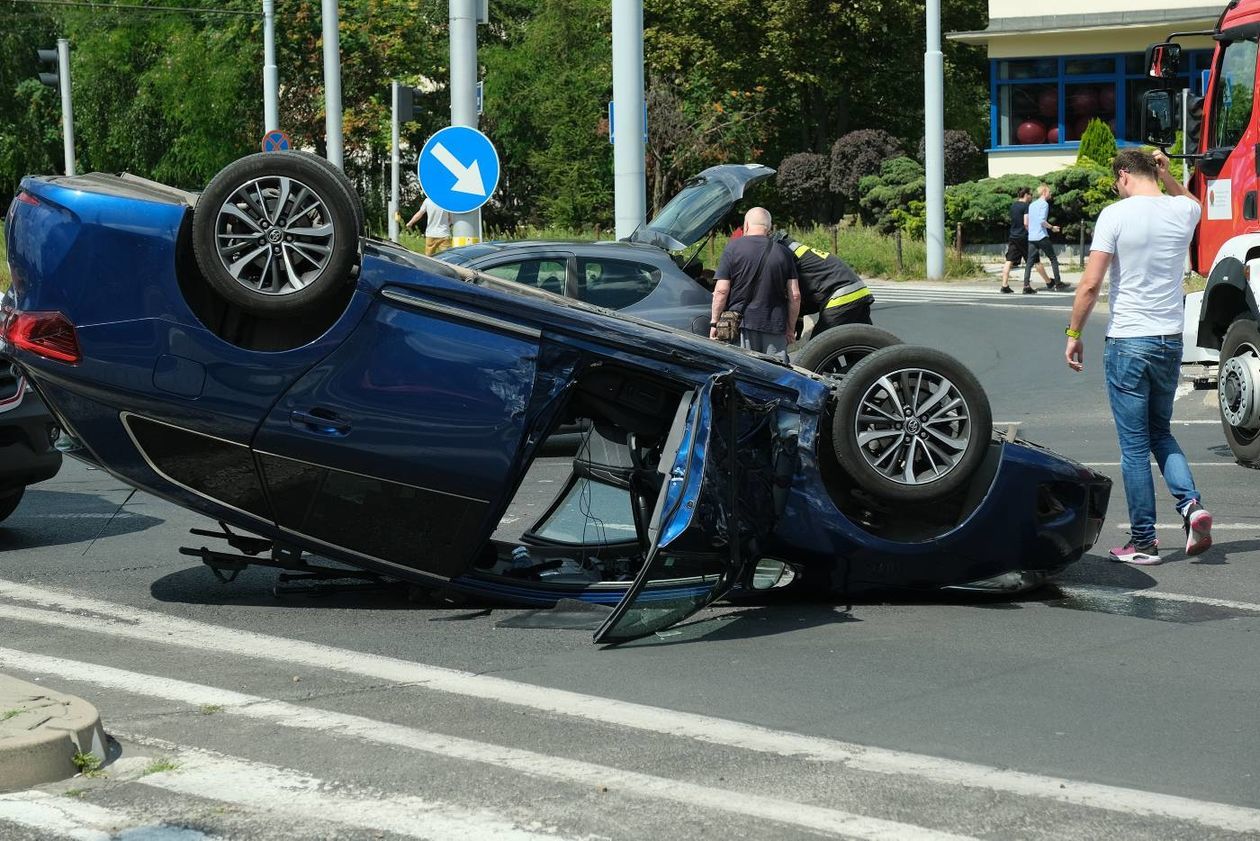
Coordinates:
[1121,704]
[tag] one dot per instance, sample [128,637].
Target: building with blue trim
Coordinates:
[1055,65]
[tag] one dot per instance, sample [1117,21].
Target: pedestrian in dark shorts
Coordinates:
[1017,241]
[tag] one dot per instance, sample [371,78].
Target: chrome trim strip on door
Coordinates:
[460,314]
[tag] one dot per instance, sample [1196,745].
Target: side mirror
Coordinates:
[1163,61]
[1159,123]
[771,574]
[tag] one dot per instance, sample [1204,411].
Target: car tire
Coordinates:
[9,502]
[837,350]
[274,263]
[1238,391]
[918,456]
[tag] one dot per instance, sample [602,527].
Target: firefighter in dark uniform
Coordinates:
[830,288]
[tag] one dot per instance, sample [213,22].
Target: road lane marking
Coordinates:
[1090,589]
[529,763]
[1153,464]
[66,817]
[161,628]
[282,792]
[1215,526]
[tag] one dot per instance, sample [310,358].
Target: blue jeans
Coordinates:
[1142,376]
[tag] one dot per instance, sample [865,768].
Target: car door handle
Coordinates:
[319,421]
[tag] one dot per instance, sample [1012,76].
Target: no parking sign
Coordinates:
[276,141]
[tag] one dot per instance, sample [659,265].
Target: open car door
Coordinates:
[714,508]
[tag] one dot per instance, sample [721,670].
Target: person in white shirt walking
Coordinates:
[1039,229]
[1143,239]
[437,230]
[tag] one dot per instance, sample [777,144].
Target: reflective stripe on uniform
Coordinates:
[841,300]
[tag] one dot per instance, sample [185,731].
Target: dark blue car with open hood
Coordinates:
[250,354]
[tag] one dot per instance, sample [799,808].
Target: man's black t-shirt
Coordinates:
[1018,231]
[763,301]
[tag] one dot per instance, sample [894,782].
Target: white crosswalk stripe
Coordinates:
[66,817]
[94,617]
[897,293]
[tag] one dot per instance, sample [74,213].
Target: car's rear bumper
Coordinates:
[27,454]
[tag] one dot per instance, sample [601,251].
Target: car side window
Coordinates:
[614,284]
[546,274]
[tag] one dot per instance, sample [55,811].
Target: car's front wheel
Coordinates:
[1238,386]
[911,424]
[276,234]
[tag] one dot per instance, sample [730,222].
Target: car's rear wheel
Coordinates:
[9,503]
[1239,391]
[837,350]
[276,234]
[911,424]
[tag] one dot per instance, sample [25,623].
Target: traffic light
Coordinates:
[407,99]
[49,57]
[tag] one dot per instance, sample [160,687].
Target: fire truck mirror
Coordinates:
[1159,124]
[1163,61]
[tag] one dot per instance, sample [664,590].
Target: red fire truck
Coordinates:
[1223,144]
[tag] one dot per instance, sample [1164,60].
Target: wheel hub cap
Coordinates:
[1239,378]
[913,426]
[275,235]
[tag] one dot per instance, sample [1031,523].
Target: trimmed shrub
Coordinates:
[804,182]
[886,198]
[1098,145]
[857,155]
[962,156]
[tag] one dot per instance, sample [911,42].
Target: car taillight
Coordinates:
[47,334]
[26,198]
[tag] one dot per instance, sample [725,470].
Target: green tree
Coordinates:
[30,114]
[1098,145]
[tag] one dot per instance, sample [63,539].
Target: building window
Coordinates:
[1048,102]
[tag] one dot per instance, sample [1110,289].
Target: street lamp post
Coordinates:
[934,141]
[271,76]
[629,184]
[332,82]
[464,14]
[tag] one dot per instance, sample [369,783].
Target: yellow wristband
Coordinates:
[1072,334]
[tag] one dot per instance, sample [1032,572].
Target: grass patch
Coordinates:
[159,765]
[1194,283]
[211,709]
[74,792]
[8,714]
[89,764]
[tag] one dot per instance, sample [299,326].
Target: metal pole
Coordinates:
[934,141]
[67,110]
[1187,267]
[332,82]
[465,227]
[393,154]
[271,76]
[629,181]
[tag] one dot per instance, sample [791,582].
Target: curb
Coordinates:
[41,731]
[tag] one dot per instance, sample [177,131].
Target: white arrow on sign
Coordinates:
[467,178]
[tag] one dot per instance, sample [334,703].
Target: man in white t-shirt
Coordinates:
[1143,239]
[437,232]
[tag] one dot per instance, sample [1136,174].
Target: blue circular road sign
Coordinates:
[276,141]
[458,169]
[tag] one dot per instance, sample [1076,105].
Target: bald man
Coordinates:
[756,277]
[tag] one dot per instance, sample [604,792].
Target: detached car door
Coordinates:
[402,445]
[715,506]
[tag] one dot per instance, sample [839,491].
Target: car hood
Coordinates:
[703,202]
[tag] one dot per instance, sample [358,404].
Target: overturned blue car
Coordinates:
[250,354]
